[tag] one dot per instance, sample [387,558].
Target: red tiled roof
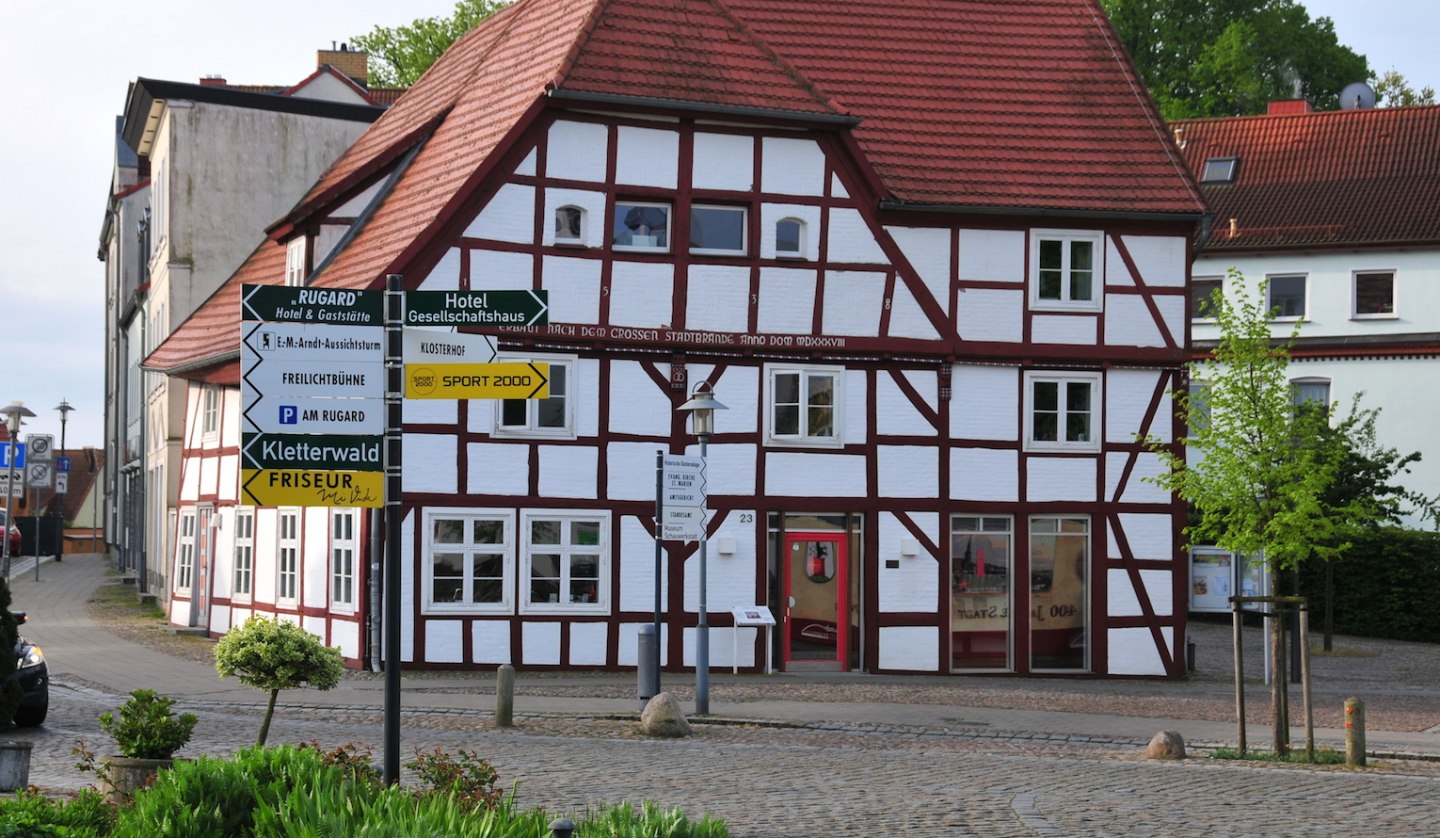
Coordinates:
[1333,179]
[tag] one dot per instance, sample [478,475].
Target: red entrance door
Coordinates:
[816,629]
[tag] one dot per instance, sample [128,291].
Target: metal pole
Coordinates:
[9,496]
[659,555]
[394,419]
[702,630]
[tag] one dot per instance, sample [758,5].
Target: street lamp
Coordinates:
[64,407]
[14,415]
[702,407]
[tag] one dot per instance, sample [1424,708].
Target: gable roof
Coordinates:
[1321,180]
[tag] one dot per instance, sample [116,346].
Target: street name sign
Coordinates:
[293,304]
[504,380]
[477,308]
[437,346]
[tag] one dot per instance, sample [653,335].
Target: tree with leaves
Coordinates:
[1392,90]
[271,655]
[1204,58]
[400,56]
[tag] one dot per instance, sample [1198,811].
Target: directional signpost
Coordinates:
[477,308]
[683,498]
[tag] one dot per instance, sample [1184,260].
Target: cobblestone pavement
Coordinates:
[871,776]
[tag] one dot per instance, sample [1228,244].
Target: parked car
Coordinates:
[33,676]
[14,532]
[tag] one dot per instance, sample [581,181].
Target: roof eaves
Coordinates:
[1047,212]
[836,120]
[193,365]
[369,211]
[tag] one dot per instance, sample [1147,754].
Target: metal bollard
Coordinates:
[505,696]
[561,828]
[647,678]
[1354,732]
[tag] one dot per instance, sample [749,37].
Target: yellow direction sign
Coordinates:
[505,380]
[311,487]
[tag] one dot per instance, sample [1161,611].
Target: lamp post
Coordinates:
[14,415]
[701,407]
[64,407]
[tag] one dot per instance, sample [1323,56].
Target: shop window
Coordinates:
[642,227]
[1062,411]
[469,561]
[566,563]
[1059,593]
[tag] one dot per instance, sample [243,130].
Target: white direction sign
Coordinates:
[311,342]
[312,415]
[62,483]
[682,498]
[344,379]
[442,346]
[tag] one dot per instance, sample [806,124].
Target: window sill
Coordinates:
[1033,447]
[1053,307]
[578,609]
[460,609]
[1390,316]
[802,442]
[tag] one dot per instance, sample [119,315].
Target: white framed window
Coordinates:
[210,412]
[570,223]
[469,561]
[1285,296]
[1373,295]
[549,417]
[185,552]
[718,230]
[566,562]
[287,557]
[1062,411]
[343,548]
[790,238]
[1202,297]
[803,405]
[643,227]
[295,262]
[244,564]
[1310,391]
[1065,270]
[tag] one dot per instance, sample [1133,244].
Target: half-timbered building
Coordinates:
[933,257]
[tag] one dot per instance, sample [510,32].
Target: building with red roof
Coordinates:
[933,257]
[1339,214]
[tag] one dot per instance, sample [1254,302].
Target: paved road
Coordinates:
[821,768]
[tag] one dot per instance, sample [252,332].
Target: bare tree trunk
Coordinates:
[1279,683]
[1329,604]
[265,723]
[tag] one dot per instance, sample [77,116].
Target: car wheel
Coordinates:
[32,716]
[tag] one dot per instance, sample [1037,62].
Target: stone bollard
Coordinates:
[1354,732]
[561,828]
[505,696]
[1167,744]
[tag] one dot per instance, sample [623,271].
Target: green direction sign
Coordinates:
[477,308]
[290,304]
[311,451]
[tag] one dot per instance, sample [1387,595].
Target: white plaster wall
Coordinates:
[574,286]
[723,161]
[429,463]
[497,469]
[407,589]
[792,167]
[992,255]
[490,641]
[721,648]
[577,151]
[1059,478]
[718,297]
[445,411]
[738,388]
[497,270]
[787,301]
[637,568]
[508,217]
[853,303]
[585,389]
[1161,260]
[647,157]
[850,239]
[837,188]
[729,580]
[568,471]
[345,635]
[631,470]
[915,585]
[592,232]
[855,423]
[228,485]
[262,585]
[642,293]
[540,644]
[588,645]
[814,475]
[913,648]
[1137,488]
[907,471]
[1080,330]
[330,89]
[895,414]
[444,641]
[1127,396]
[927,250]
[772,213]
[209,468]
[357,204]
[729,470]
[445,276]
[1133,651]
[314,625]
[219,618]
[625,654]
[1150,536]
[984,474]
[990,315]
[1123,601]
[1128,322]
[907,318]
[637,406]
[189,480]
[229,416]
[527,166]
[985,403]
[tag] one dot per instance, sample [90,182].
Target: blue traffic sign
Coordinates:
[62,465]
[19,455]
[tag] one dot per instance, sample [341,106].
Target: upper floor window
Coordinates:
[802,405]
[1202,296]
[570,225]
[567,562]
[1062,411]
[1219,170]
[1286,296]
[717,230]
[1310,392]
[210,411]
[1064,272]
[790,238]
[1374,294]
[553,416]
[641,226]
[295,262]
[469,560]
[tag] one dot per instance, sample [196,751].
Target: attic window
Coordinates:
[1220,170]
[640,226]
[570,225]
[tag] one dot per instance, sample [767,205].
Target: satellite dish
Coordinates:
[1357,96]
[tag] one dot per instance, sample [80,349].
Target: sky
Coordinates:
[69,64]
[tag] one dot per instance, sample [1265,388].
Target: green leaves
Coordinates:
[400,56]
[147,728]
[273,655]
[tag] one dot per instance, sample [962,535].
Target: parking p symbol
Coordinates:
[289,414]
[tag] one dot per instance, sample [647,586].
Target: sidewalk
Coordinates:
[81,651]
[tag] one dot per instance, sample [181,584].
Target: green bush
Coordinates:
[1383,586]
[274,655]
[30,814]
[147,728]
[462,775]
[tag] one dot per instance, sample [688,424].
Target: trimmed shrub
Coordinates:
[1384,586]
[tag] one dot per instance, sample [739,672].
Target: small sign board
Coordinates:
[477,308]
[294,304]
[312,487]
[351,379]
[331,452]
[39,475]
[505,380]
[19,454]
[441,346]
[312,415]
[310,342]
[752,615]
[41,448]
[62,483]
[12,488]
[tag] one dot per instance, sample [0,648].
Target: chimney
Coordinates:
[215,80]
[1288,107]
[352,63]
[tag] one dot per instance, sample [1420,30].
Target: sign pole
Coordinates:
[394,419]
[659,553]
